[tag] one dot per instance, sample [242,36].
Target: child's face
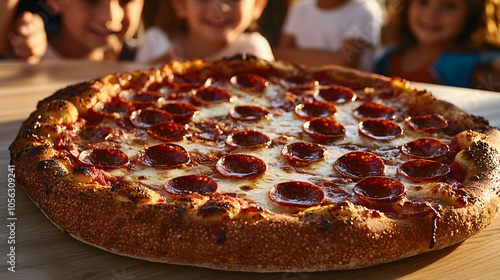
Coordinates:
[437,21]
[98,23]
[219,20]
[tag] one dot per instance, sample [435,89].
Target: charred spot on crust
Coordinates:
[83,174]
[57,105]
[84,171]
[221,235]
[181,209]
[483,155]
[216,206]
[39,150]
[254,211]
[131,192]
[48,191]
[38,130]
[35,140]
[481,121]
[32,149]
[320,222]
[188,202]
[54,166]
[482,128]
[215,232]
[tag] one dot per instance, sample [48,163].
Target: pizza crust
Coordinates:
[326,238]
[224,233]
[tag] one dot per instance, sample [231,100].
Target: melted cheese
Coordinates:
[282,123]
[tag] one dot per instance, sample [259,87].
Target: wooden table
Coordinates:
[44,252]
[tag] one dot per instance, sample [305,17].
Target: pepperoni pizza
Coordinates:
[246,165]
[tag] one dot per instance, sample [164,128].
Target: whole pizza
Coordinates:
[247,165]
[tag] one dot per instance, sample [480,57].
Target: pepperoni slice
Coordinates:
[211,96]
[379,189]
[372,110]
[298,83]
[426,148]
[249,113]
[315,109]
[324,129]
[116,109]
[104,158]
[359,164]
[303,152]
[423,170]
[379,129]
[427,123]
[240,166]
[297,194]
[250,139]
[249,82]
[180,111]
[206,130]
[95,133]
[336,94]
[140,100]
[199,184]
[168,131]
[163,156]
[148,117]
[188,81]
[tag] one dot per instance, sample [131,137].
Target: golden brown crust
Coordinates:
[423,102]
[225,233]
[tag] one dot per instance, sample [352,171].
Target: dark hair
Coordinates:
[168,20]
[481,29]
[161,13]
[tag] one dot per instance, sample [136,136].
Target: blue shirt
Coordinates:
[452,69]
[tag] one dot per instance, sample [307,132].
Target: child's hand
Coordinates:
[28,39]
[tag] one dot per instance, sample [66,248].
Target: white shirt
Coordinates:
[156,43]
[326,29]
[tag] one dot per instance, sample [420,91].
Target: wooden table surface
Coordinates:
[44,252]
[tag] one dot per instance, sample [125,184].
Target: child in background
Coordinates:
[342,32]
[204,29]
[93,29]
[449,42]
[23,37]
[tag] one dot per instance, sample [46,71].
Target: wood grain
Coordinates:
[44,252]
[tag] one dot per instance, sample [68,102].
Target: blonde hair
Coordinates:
[161,13]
